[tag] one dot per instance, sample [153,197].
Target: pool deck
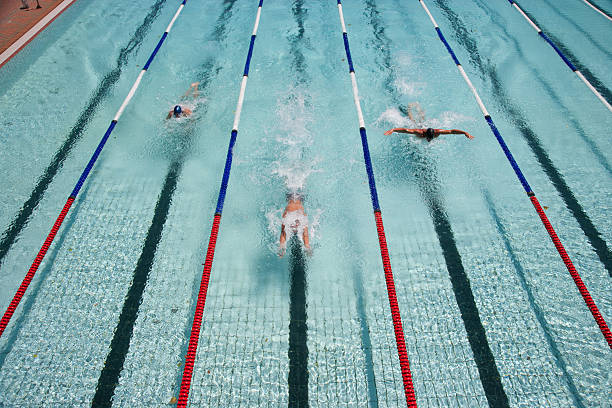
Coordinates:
[18,27]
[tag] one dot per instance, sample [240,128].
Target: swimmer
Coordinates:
[182,111]
[295,219]
[418,118]
[429,133]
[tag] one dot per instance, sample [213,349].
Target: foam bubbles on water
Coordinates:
[394,117]
[294,173]
[450,120]
[447,120]
[294,166]
[412,89]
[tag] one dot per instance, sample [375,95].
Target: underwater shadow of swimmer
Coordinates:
[405,161]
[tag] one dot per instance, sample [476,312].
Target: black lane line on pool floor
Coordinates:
[298,327]
[539,314]
[120,344]
[366,341]
[103,90]
[593,235]
[425,172]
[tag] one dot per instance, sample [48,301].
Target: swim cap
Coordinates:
[177,110]
[295,196]
[430,134]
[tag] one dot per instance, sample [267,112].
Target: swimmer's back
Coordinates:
[294,205]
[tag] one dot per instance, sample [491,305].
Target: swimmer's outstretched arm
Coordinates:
[454,132]
[404,130]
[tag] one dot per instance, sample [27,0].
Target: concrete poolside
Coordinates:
[19,26]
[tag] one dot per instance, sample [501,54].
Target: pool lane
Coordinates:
[103,256]
[101,92]
[426,173]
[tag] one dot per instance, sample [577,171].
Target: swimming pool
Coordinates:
[453,210]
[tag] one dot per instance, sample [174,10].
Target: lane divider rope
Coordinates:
[43,250]
[598,10]
[395,311]
[212,242]
[563,57]
[551,232]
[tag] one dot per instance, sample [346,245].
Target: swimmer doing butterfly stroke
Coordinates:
[428,133]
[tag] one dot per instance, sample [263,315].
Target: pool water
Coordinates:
[491,316]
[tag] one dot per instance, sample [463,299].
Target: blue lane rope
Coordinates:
[560,53]
[509,155]
[348,52]
[369,170]
[154,53]
[448,47]
[543,217]
[226,172]
[234,134]
[93,159]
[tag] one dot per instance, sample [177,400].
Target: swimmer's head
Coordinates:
[295,196]
[177,111]
[430,134]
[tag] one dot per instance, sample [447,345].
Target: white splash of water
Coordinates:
[447,120]
[450,120]
[411,89]
[394,117]
[275,221]
[294,162]
[294,138]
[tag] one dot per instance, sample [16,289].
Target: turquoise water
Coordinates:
[299,131]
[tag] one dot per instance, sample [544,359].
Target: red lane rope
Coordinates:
[395,314]
[197,319]
[30,275]
[572,270]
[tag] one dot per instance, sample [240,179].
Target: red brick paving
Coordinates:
[15,22]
